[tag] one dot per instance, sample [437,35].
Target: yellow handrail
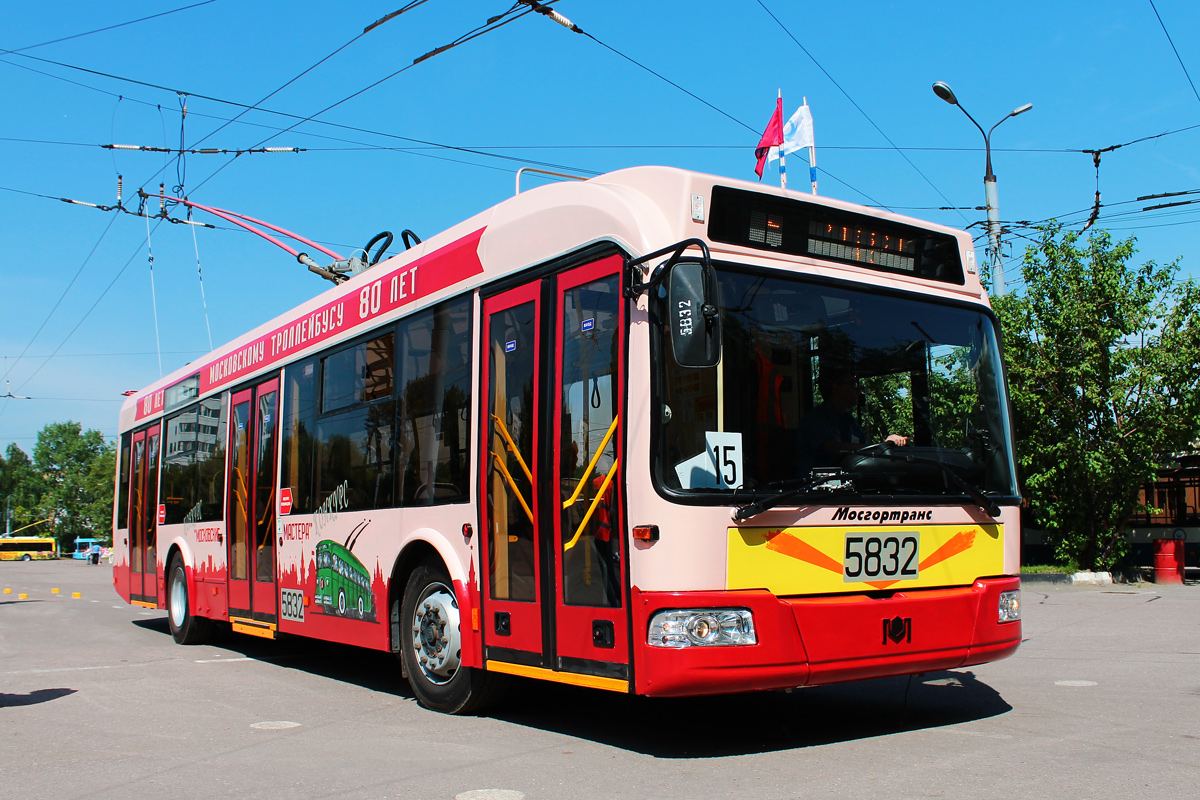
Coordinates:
[592,465]
[595,502]
[513,485]
[513,447]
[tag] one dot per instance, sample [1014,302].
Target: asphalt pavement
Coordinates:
[96,701]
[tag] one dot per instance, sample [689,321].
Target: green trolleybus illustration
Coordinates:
[343,583]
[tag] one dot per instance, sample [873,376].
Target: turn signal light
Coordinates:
[646,533]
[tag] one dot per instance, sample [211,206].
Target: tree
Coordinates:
[1102,363]
[20,489]
[76,470]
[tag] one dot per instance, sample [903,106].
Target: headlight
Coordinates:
[698,627]
[1010,606]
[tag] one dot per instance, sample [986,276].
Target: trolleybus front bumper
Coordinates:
[808,641]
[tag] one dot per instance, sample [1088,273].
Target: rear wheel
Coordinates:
[185,626]
[431,646]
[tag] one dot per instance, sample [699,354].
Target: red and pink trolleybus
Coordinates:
[655,432]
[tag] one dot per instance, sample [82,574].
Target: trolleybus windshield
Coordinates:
[901,365]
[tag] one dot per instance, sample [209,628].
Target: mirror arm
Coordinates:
[635,287]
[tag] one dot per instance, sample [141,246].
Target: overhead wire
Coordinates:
[339,126]
[109,27]
[575,28]
[87,313]
[492,24]
[1175,50]
[62,296]
[855,104]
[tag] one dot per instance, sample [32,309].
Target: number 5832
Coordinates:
[884,556]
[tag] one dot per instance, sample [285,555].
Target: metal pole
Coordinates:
[993,223]
[990,194]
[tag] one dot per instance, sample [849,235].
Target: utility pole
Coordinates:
[990,194]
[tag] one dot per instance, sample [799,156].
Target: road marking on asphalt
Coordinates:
[222,660]
[490,794]
[976,733]
[278,725]
[80,669]
[1075,683]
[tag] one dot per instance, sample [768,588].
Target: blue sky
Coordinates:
[1099,74]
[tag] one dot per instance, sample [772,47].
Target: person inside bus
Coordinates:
[829,431]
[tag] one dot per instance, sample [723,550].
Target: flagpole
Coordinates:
[812,161]
[782,160]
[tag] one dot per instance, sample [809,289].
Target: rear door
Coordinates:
[143,516]
[253,462]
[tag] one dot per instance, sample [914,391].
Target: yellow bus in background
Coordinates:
[28,548]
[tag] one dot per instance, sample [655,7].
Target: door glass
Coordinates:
[238,536]
[264,488]
[590,546]
[510,446]
[136,506]
[151,513]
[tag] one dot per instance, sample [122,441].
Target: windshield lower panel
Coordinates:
[837,393]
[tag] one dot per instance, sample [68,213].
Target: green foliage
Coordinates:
[20,489]
[1102,363]
[69,481]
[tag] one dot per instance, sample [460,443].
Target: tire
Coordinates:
[186,628]
[26,557]
[361,615]
[431,647]
[342,602]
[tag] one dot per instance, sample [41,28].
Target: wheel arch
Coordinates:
[426,544]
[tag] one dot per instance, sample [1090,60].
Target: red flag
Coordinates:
[772,137]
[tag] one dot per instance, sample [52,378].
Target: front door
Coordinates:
[253,454]
[553,570]
[143,516]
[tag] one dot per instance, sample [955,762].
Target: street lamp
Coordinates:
[944,91]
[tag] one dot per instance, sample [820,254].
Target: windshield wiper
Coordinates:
[817,477]
[989,506]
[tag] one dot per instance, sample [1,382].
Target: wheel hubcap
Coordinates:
[435,633]
[178,602]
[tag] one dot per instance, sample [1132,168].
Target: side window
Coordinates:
[433,433]
[179,466]
[193,464]
[299,416]
[210,459]
[355,435]
[123,483]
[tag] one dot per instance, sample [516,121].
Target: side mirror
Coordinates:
[693,315]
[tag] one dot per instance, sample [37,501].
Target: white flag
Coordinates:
[797,133]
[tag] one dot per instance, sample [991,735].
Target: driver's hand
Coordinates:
[897,439]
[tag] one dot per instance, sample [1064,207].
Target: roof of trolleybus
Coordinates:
[640,209]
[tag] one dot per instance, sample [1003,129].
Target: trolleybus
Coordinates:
[28,548]
[656,432]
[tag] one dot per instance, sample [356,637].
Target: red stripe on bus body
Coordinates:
[399,287]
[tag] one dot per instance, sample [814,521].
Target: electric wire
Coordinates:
[86,314]
[1175,50]
[109,27]
[62,296]
[855,104]
[491,25]
[575,28]
[339,126]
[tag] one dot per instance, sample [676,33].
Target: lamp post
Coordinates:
[944,91]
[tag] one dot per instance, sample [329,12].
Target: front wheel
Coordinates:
[186,628]
[431,646]
[26,557]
